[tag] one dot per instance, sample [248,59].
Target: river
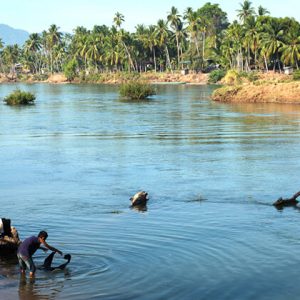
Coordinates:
[70,163]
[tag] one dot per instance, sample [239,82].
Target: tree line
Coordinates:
[197,39]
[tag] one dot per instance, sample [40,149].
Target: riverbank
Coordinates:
[117,78]
[268,88]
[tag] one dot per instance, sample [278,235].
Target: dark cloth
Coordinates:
[48,261]
[29,246]
[6,227]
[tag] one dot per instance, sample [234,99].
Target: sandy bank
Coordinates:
[270,88]
[117,78]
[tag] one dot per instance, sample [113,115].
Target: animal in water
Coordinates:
[140,198]
[48,262]
[287,202]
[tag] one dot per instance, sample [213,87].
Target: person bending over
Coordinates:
[28,247]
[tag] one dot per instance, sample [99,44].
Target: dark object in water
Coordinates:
[48,261]
[140,198]
[9,238]
[287,202]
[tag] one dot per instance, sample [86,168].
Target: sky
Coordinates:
[38,15]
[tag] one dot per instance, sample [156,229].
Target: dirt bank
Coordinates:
[269,88]
[117,78]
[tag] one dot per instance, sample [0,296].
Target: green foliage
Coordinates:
[19,97]
[296,75]
[70,69]
[40,77]
[216,75]
[232,77]
[136,90]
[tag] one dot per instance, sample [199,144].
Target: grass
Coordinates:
[19,97]
[136,90]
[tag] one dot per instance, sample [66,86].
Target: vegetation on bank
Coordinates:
[136,90]
[19,97]
[258,88]
[198,39]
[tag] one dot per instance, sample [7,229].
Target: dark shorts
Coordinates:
[26,263]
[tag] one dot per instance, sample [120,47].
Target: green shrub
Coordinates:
[70,69]
[136,90]
[296,75]
[19,97]
[216,76]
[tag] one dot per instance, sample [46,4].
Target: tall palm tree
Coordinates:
[118,19]
[53,39]
[245,11]
[272,40]
[31,49]
[291,47]
[174,18]
[193,26]
[163,34]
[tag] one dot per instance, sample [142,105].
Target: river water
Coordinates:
[70,163]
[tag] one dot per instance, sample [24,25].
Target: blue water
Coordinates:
[70,163]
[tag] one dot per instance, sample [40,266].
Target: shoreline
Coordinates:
[268,88]
[118,78]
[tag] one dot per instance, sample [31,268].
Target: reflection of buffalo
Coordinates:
[139,199]
[287,202]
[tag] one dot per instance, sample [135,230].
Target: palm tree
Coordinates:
[176,24]
[163,34]
[246,10]
[272,40]
[53,38]
[291,47]
[31,49]
[11,55]
[261,11]
[118,19]
[193,26]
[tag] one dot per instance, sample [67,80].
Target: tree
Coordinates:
[163,34]
[261,11]
[245,11]
[176,24]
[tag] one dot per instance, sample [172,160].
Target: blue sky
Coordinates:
[38,15]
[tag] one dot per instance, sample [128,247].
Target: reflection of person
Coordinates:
[28,247]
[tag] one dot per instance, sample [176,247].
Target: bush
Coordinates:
[19,97]
[136,90]
[216,76]
[296,75]
[70,69]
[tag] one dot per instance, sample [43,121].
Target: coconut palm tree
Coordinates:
[261,11]
[163,35]
[272,40]
[245,11]
[174,19]
[291,47]
[118,19]
[31,49]
[53,38]
[193,26]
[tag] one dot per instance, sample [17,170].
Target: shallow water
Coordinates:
[70,163]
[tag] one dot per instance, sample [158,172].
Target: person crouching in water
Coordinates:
[28,247]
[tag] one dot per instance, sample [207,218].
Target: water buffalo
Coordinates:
[140,198]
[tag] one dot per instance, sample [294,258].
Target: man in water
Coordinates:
[28,247]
